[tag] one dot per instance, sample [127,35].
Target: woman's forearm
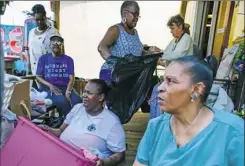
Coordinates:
[42,81]
[56,132]
[71,83]
[104,52]
[151,50]
[114,159]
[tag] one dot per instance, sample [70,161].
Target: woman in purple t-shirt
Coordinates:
[55,73]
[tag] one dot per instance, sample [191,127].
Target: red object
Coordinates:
[38,102]
[52,6]
[24,58]
[30,146]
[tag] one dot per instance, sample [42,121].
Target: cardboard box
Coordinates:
[20,94]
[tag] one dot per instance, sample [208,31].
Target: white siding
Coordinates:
[190,15]
[239,27]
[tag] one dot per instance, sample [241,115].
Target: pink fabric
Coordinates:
[29,146]
[90,156]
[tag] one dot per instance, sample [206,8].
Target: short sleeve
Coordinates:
[235,151]
[40,66]
[116,139]
[72,113]
[71,66]
[144,147]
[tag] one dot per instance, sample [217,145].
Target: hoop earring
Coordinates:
[124,20]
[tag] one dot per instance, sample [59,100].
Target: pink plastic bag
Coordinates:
[90,155]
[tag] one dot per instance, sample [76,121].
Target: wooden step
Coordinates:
[134,131]
[133,135]
[137,123]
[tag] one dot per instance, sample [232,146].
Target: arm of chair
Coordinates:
[25,109]
[29,77]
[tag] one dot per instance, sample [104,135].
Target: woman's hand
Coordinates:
[151,50]
[155,49]
[161,62]
[55,90]
[43,127]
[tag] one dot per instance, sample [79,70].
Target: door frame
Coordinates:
[213,27]
[228,22]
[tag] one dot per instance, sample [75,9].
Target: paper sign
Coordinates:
[221,30]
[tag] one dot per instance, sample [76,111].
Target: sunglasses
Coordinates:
[57,42]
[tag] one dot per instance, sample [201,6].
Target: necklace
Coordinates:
[176,42]
[194,121]
[40,31]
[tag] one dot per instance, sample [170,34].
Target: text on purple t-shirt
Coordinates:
[55,70]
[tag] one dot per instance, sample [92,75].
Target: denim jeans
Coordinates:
[62,104]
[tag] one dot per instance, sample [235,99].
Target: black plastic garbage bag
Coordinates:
[131,82]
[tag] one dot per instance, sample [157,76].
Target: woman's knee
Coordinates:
[75,98]
[58,99]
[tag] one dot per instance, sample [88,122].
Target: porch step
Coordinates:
[134,131]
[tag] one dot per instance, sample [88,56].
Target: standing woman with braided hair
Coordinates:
[39,42]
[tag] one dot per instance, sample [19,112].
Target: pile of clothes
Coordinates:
[39,102]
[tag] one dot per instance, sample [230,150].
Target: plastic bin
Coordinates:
[30,146]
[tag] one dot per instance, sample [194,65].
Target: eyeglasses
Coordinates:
[57,42]
[135,14]
[40,20]
[89,93]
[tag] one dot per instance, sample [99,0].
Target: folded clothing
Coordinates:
[38,108]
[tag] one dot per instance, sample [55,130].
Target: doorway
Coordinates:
[208,27]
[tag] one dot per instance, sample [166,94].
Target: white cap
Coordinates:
[56,35]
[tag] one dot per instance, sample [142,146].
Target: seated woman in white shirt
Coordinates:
[182,43]
[180,46]
[91,126]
